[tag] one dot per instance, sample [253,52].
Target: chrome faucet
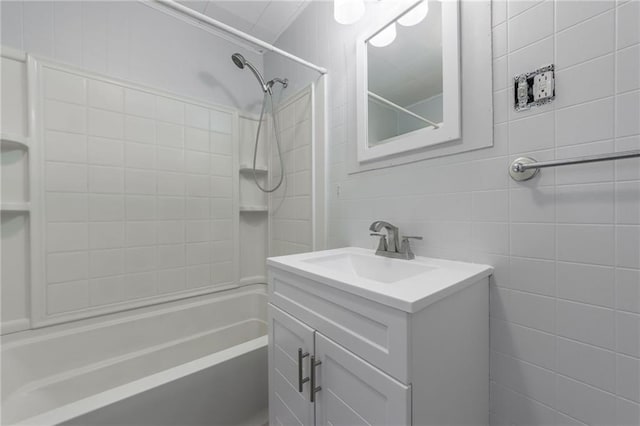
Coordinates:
[389,245]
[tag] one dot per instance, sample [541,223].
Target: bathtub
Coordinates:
[194,362]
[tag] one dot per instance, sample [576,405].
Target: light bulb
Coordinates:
[384,37]
[415,15]
[348,11]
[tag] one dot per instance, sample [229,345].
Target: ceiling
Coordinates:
[266,19]
[409,70]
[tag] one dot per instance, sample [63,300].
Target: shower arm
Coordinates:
[284,82]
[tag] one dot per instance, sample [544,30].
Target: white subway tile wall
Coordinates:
[290,215]
[565,297]
[130,207]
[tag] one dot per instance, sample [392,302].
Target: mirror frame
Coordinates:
[450,129]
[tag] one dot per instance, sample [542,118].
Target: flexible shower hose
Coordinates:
[255,148]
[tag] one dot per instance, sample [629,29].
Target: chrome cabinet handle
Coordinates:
[314,389]
[301,380]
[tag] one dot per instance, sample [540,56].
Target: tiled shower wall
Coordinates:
[139,194]
[129,40]
[565,298]
[291,205]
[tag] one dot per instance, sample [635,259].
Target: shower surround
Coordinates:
[124,201]
[139,196]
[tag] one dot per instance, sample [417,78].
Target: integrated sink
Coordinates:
[409,285]
[375,268]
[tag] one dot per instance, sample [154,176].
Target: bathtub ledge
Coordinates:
[94,402]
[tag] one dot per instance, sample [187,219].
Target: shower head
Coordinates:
[241,62]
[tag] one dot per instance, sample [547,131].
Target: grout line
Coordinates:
[565,377]
[550,371]
[625,92]
[527,397]
[22,44]
[615,197]
[87,168]
[508,193]
[53,29]
[585,20]
[554,297]
[527,46]
[622,49]
[522,393]
[555,210]
[589,102]
[508,18]
[526,327]
[585,62]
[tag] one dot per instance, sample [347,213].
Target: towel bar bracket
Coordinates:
[519,174]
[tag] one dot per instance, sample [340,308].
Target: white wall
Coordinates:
[291,205]
[135,42]
[565,305]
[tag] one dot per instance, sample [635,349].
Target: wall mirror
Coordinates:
[409,81]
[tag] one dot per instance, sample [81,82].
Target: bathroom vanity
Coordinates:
[359,339]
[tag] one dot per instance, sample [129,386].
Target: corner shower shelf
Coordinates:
[15,139]
[248,168]
[253,208]
[14,207]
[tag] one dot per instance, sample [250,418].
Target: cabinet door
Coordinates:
[287,405]
[353,392]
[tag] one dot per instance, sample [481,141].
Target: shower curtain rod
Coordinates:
[233,31]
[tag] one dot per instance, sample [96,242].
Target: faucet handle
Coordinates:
[382,245]
[405,248]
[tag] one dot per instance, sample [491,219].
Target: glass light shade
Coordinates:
[384,37]
[348,11]
[416,15]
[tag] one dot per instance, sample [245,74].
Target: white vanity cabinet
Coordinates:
[350,391]
[373,359]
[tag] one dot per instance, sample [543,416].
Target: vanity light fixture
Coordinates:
[348,11]
[415,15]
[385,37]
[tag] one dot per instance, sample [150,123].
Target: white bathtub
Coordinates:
[195,362]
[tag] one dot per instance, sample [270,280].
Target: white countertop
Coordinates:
[428,280]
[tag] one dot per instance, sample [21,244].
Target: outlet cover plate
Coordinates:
[534,88]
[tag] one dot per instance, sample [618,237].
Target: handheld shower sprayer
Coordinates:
[241,62]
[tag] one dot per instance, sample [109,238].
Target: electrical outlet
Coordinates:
[543,85]
[534,88]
